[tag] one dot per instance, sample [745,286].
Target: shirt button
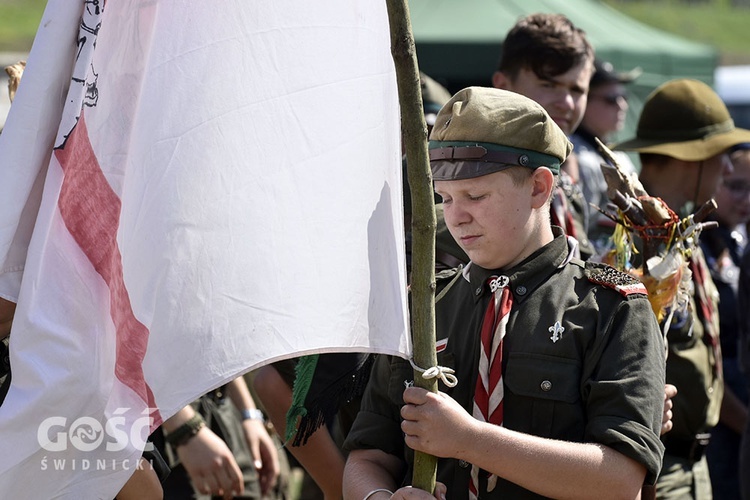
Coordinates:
[546,385]
[521,290]
[478,291]
[463,464]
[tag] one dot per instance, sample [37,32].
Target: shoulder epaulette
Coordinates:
[610,277]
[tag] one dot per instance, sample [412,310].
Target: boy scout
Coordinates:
[683,136]
[545,57]
[560,364]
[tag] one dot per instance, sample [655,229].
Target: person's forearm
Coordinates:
[240,395]
[367,471]
[570,470]
[178,419]
[320,456]
[323,460]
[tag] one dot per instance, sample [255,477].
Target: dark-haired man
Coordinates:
[545,57]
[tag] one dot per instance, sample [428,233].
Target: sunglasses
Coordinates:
[611,99]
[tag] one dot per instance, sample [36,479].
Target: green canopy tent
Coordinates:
[458,42]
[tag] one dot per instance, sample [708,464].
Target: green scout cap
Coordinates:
[484,130]
[687,120]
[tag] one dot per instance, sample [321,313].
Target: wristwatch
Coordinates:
[252,414]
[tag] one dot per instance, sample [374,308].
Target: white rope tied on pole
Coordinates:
[442,372]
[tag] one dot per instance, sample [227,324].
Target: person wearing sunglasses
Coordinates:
[605,115]
[723,247]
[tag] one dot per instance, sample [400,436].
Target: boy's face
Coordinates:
[489,217]
[563,96]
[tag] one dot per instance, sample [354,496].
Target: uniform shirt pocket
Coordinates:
[543,395]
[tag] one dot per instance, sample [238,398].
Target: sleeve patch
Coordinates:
[610,277]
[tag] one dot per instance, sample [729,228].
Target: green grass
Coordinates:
[19,20]
[721,23]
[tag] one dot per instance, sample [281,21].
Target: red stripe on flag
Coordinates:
[90,210]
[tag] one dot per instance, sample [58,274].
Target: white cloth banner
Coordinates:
[224,191]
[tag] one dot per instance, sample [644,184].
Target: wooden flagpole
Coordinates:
[414,134]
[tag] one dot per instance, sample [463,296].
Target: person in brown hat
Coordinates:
[683,137]
[551,369]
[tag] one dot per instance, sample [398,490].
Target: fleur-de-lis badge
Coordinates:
[556,330]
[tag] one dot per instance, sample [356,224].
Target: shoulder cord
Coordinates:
[452,282]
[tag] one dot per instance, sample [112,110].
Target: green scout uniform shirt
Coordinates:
[602,382]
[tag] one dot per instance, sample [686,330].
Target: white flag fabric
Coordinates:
[190,190]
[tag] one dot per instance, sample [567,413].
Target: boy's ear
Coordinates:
[543,181]
[499,80]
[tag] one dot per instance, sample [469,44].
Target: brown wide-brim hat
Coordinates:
[687,120]
[485,130]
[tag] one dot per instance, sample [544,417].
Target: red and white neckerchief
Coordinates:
[488,394]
